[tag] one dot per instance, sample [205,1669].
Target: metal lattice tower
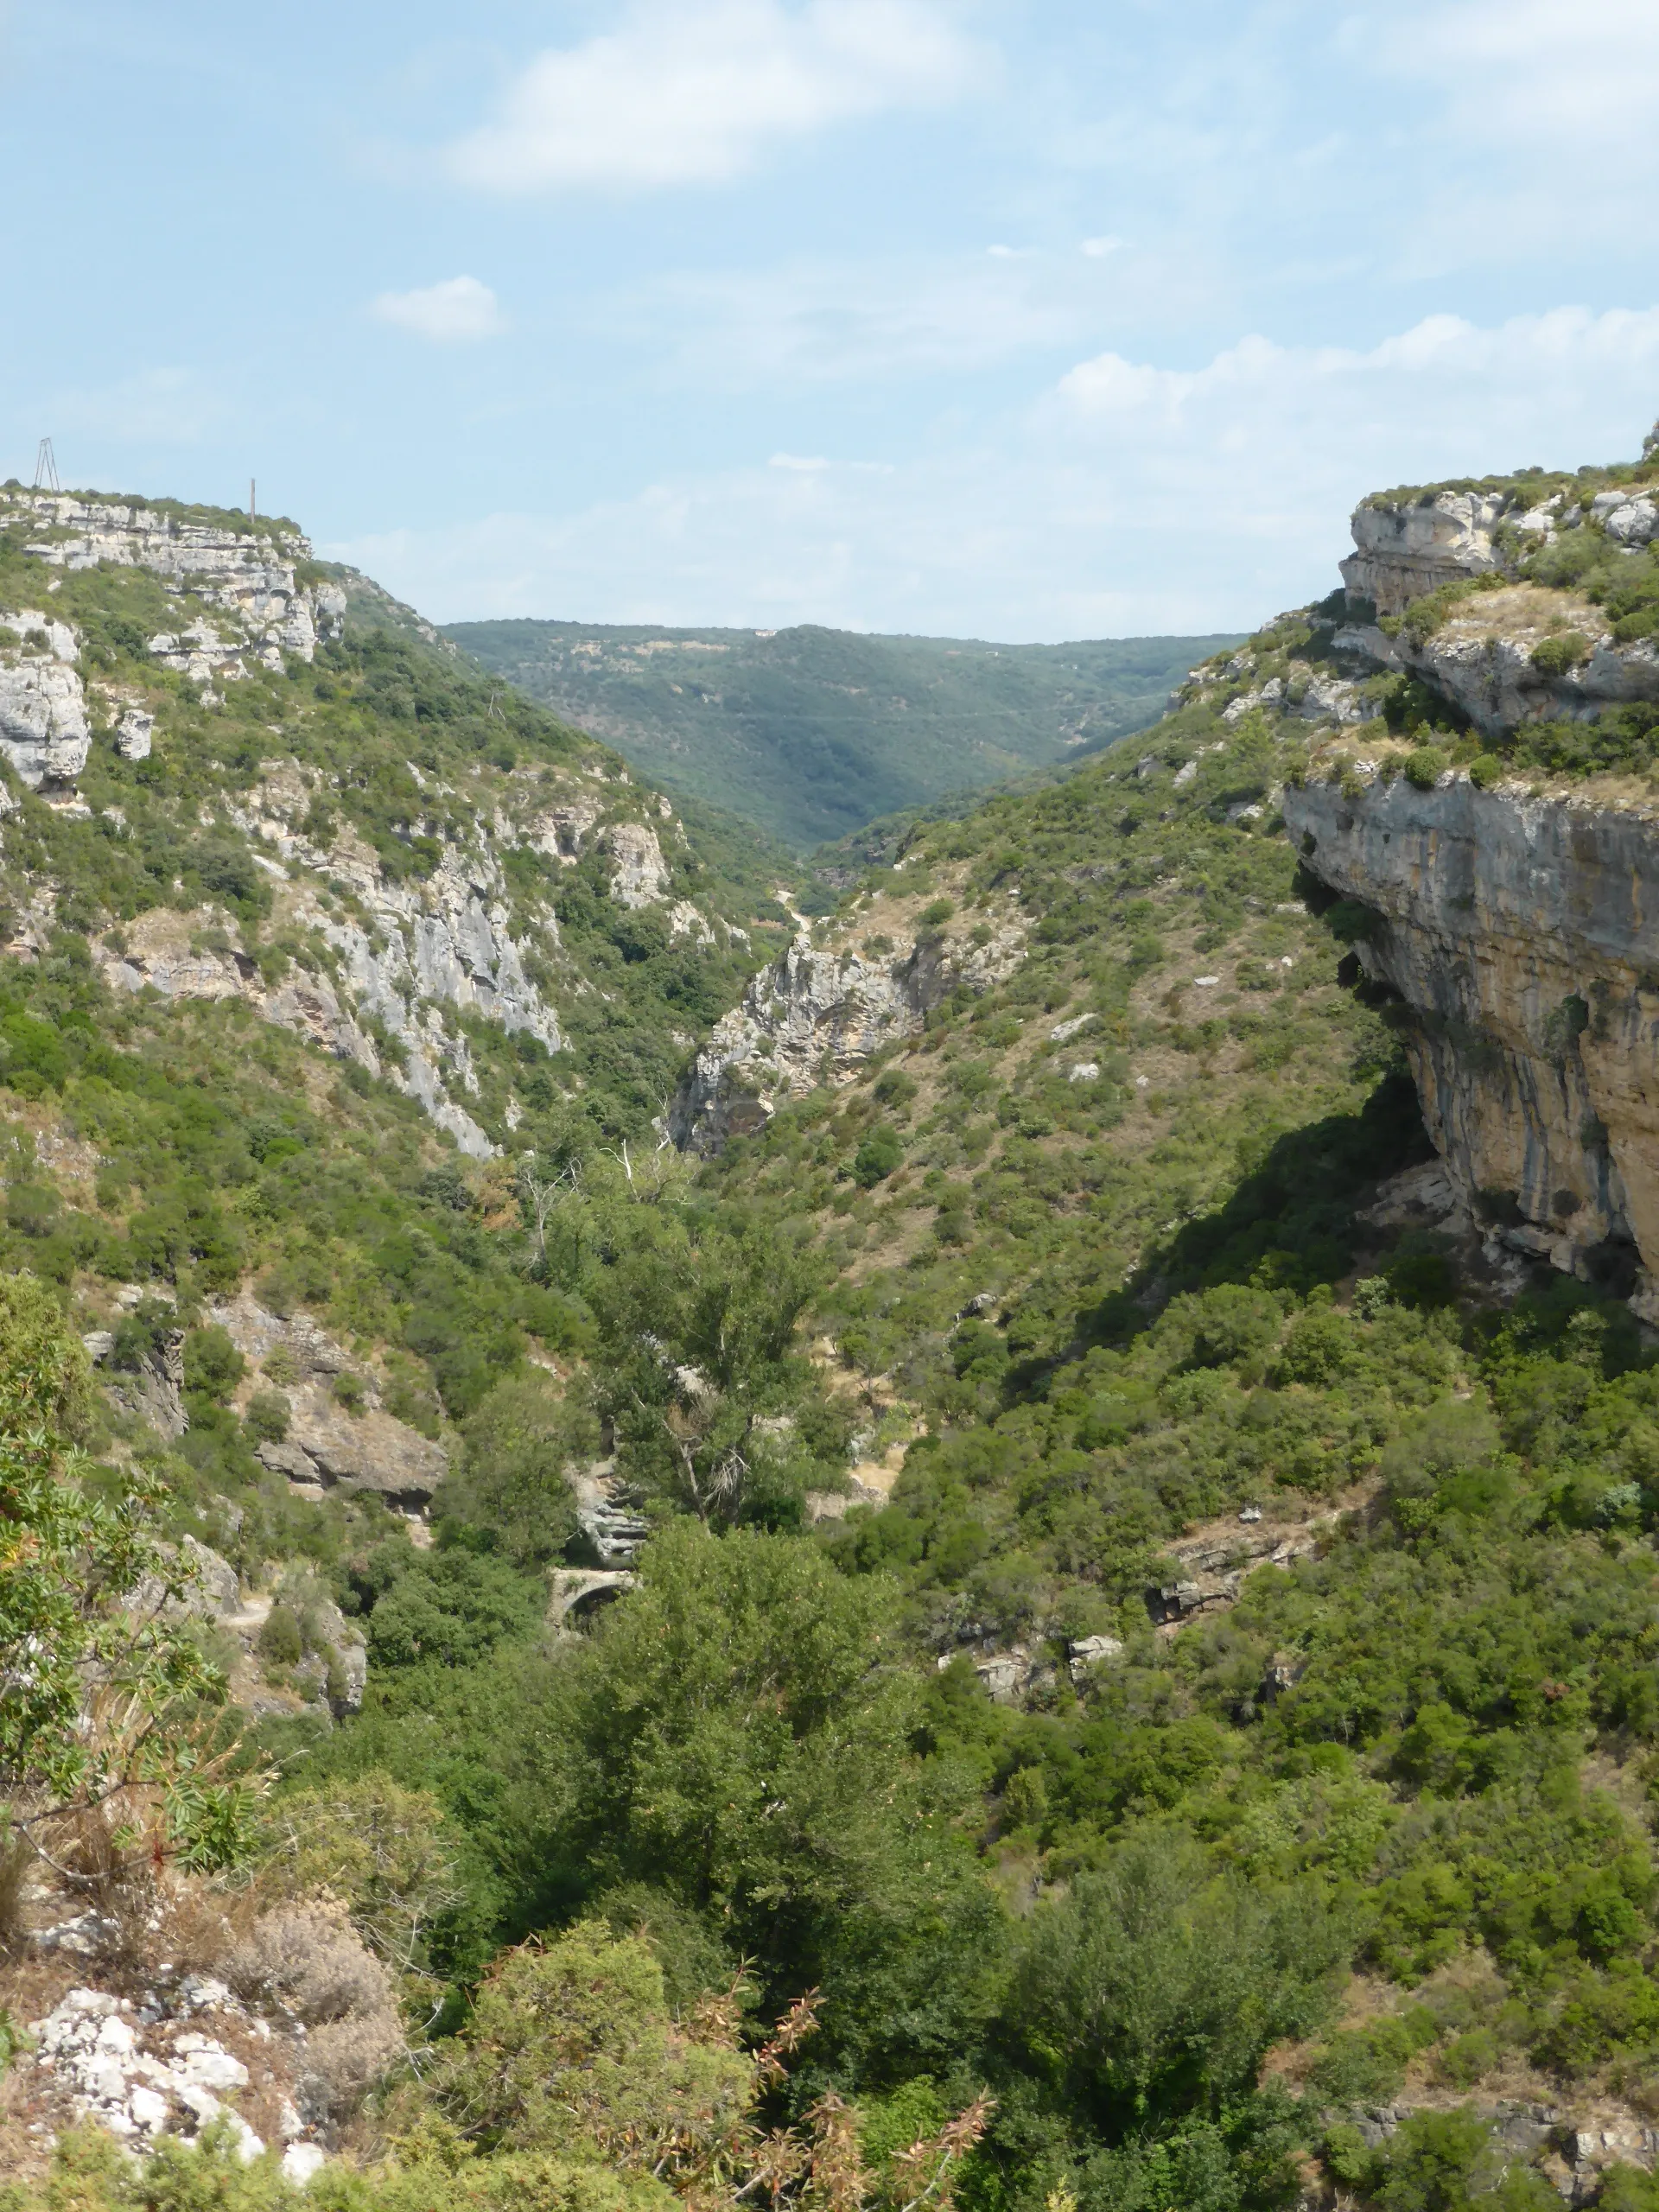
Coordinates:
[45,468]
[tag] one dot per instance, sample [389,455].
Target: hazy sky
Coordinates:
[1031,319]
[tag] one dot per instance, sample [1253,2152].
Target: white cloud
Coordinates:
[694,92]
[1482,384]
[801,463]
[456,312]
[1097,249]
[1132,497]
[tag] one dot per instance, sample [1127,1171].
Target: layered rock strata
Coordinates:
[1522,934]
[1404,549]
[249,574]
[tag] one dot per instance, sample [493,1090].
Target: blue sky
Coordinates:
[1027,319]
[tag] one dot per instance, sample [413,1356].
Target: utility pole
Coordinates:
[45,468]
[250,498]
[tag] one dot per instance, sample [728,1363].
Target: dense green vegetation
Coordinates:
[1080,1268]
[811,733]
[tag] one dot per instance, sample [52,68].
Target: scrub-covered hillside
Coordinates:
[811,732]
[1039,1613]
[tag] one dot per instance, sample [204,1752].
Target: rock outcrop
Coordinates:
[131,2070]
[387,956]
[1481,658]
[45,735]
[816,1015]
[640,874]
[328,1446]
[248,574]
[1522,934]
[1405,550]
[1211,1565]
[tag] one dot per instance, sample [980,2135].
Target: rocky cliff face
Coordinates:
[1523,933]
[817,1014]
[246,575]
[238,591]
[386,965]
[1481,658]
[1516,921]
[1405,548]
[395,971]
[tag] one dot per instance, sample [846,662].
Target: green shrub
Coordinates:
[1555,656]
[1489,769]
[350,1391]
[212,1366]
[935,913]
[511,1488]
[281,1642]
[1425,767]
[267,1417]
[877,1156]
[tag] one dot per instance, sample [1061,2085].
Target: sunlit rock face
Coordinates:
[1402,552]
[44,733]
[248,574]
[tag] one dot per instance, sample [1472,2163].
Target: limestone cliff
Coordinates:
[1513,915]
[1404,548]
[820,1011]
[1522,934]
[241,604]
[385,964]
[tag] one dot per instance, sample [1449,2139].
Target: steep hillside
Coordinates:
[812,732]
[1052,1613]
[344,831]
[295,913]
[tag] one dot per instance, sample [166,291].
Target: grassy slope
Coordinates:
[813,732]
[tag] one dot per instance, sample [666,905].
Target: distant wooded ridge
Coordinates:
[812,733]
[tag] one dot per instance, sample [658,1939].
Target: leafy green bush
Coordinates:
[512,1488]
[877,1157]
[1559,655]
[350,1391]
[448,1609]
[280,1642]
[267,1417]
[1425,767]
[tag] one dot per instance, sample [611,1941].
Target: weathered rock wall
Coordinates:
[250,574]
[1404,551]
[44,733]
[1481,659]
[816,1015]
[1523,933]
